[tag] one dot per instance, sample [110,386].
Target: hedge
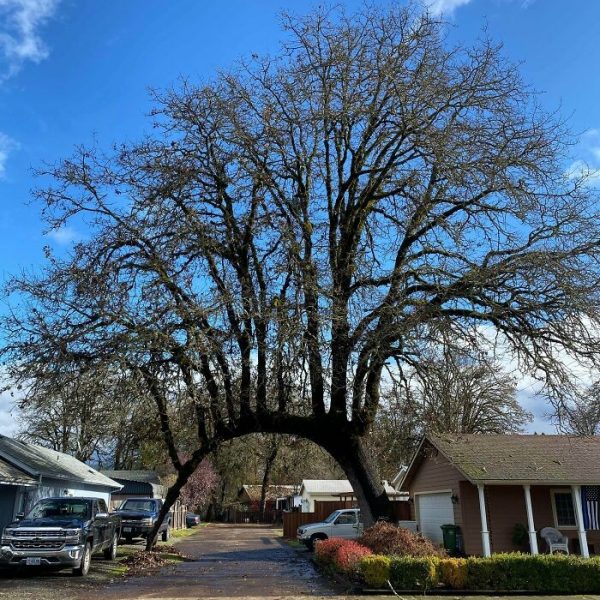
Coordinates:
[543,573]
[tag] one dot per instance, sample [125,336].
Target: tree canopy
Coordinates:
[305,222]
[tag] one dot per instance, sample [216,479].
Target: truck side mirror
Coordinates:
[19,516]
[102,515]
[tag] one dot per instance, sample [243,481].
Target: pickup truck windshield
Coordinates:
[148,505]
[331,517]
[60,508]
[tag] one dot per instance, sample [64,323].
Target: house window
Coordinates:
[564,511]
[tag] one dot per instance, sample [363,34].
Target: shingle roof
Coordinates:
[143,476]
[528,458]
[273,491]
[37,460]
[10,475]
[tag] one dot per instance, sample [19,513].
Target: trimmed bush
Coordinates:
[386,538]
[375,570]
[348,555]
[453,572]
[414,573]
[543,573]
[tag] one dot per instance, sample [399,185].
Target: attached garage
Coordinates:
[434,510]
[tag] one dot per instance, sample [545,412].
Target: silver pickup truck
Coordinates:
[343,523]
[61,533]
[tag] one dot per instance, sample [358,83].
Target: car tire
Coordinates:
[86,558]
[110,553]
[166,534]
[315,539]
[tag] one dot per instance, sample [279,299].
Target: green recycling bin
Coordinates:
[451,533]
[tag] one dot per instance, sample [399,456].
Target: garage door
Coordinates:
[434,510]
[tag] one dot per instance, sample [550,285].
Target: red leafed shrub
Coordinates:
[386,538]
[325,550]
[348,555]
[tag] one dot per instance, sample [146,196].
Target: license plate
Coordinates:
[33,561]
[126,529]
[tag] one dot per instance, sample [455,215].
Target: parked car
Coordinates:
[191,520]
[138,517]
[344,523]
[61,533]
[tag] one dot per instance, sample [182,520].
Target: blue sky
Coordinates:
[75,70]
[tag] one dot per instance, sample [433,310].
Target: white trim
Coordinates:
[562,490]
[583,545]
[533,545]
[485,534]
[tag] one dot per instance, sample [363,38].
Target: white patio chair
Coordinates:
[555,540]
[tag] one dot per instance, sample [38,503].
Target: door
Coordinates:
[433,511]
[345,526]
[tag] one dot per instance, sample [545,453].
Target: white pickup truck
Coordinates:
[344,523]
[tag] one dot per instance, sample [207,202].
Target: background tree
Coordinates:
[304,221]
[200,486]
[582,415]
[459,395]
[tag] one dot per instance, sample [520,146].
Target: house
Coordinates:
[277,497]
[135,484]
[29,472]
[335,490]
[492,485]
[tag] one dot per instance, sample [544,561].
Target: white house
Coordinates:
[29,472]
[334,490]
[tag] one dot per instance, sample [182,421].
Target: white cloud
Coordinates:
[8,421]
[446,7]
[20,42]
[7,145]
[589,164]
[64,235]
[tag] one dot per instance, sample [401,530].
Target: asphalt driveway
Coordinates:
[229,561]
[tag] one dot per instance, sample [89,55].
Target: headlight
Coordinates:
[72,534]
[8,533]
[300,531]
[147,521]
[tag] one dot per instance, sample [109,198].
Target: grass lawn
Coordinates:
[177,534]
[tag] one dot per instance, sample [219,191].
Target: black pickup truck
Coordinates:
[138,516]
[61,533]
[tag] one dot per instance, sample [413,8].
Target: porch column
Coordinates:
[576,493]
[533,545]
[485,534]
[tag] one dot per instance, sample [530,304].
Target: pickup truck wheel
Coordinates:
[111,552]
[315,539]
[86,558]
[166,534]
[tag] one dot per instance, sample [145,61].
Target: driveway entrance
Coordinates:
[229,561]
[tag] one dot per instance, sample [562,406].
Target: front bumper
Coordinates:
[135,531]
[68,556]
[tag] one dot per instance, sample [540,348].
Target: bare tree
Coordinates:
[306,219]
[458,395]
[582,415]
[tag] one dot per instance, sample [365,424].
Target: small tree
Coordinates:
[200,485]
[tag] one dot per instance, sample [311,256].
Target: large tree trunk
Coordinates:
[351,454]
[270,461]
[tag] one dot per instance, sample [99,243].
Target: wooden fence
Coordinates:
[292,520]
[178,513]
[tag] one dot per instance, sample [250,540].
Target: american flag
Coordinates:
[590,499]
